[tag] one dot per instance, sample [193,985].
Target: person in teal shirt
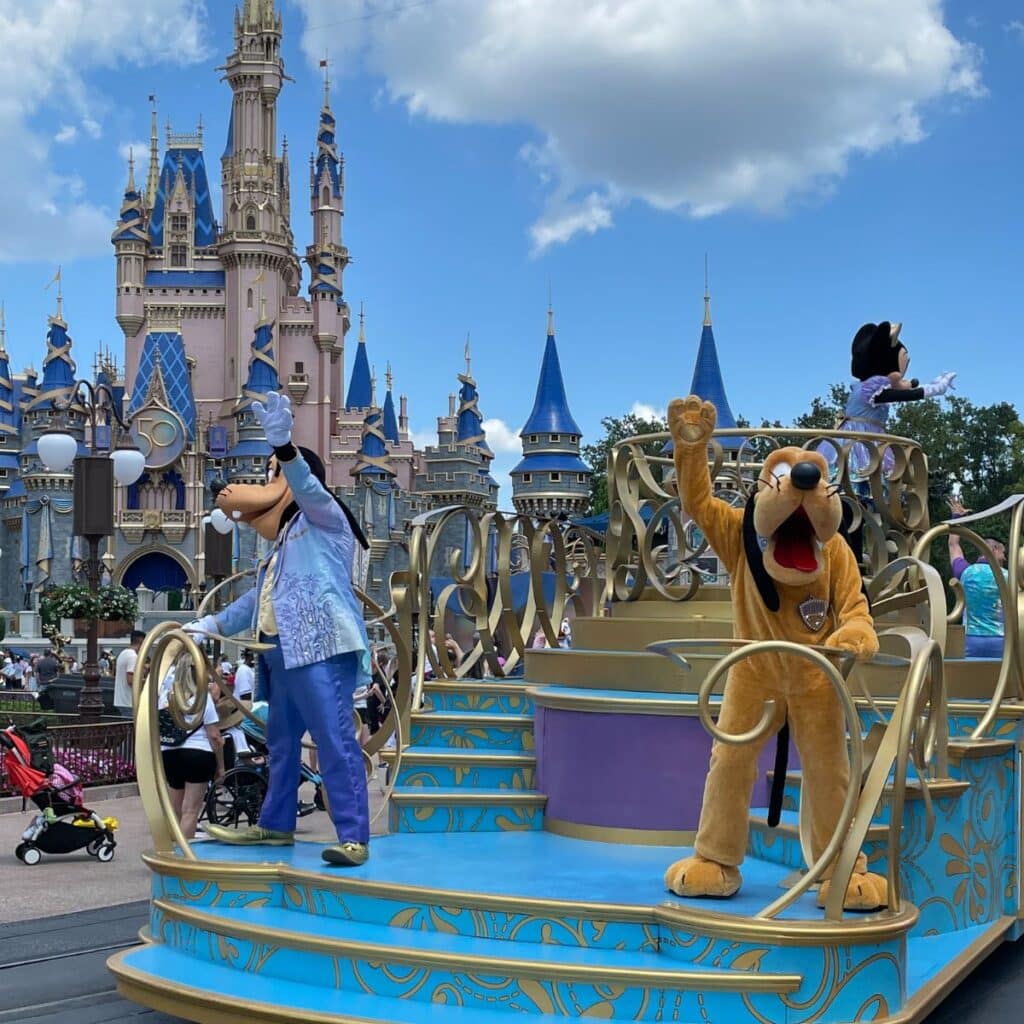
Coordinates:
[983,607]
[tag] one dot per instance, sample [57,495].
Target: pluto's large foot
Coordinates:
[699,878]
[866,891]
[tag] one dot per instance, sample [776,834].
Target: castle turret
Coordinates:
[458,470]
[131,240]
[390,420]
[551,479]
[373,462]
[707,379]
[359,387]
[247,460]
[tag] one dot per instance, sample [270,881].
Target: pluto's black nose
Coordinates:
[806,476]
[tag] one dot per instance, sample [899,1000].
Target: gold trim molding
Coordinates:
[615,834]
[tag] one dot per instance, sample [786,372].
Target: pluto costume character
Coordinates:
[793,578]
[304,605]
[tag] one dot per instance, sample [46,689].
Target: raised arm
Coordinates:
[313,499]
[956,552]
[937,387]
[692,422]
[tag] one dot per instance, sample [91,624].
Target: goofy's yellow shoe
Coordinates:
[254,835]
[347,855]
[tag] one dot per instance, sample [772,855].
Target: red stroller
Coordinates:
[65,824]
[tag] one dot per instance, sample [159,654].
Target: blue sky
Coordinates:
[860,162]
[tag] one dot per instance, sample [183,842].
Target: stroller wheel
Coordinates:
[93,848]
[105,853]
[29,855]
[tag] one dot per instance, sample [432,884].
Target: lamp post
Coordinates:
[93,492]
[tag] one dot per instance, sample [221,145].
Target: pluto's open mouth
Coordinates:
[796,545]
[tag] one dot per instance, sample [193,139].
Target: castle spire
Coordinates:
[3,332]
[707,379]
[551,413]
[153,181]
[390,420]
[707,295]
[360,394]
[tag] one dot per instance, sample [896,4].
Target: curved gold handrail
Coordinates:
[1011,597]
[819,658]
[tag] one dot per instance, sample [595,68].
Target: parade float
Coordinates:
[532,816]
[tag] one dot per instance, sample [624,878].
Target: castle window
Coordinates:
[527,478]
[179,222]
[250,222]
[248,299]
[534,439]
[555,438]
[581,478]
[556,478]
[179,255]
[300,367]
[325,199]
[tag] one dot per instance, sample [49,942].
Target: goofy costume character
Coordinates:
[304,606]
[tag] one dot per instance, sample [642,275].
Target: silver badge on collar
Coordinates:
[814,612]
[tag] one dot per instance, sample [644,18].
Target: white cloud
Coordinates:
[50,46]
[1015,28]
[139,149]
[502,438]
[643,411]
[688,106]
[423,438]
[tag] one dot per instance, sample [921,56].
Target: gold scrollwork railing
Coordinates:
[1011,596]
[649,546]
[168,645]
[479,557]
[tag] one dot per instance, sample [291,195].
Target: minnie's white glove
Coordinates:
[940,385]
[275,418]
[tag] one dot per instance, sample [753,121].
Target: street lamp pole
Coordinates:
[93,491]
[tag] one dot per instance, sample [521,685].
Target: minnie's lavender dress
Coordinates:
[862,414]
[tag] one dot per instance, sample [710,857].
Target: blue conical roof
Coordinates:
[390,419]
[58,367]
[470,425]
[551,408]
[707,380]
[373,453]
[263,376]
[359,387]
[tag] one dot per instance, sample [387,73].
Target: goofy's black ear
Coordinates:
[755,560]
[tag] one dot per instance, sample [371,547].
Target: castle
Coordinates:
[214,316]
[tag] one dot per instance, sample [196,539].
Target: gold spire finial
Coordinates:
[551,313]
[60,294]
[3,328]
[325,64]
[468,357]
[388,378]
[707,294]
[362,325]
[131,168]
[373,387]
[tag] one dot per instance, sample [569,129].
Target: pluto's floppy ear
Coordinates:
[755,559]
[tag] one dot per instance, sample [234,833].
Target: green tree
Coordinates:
[826,412]
[616,429]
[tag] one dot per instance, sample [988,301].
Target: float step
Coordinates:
[479,768]
[469,730]
[451,809]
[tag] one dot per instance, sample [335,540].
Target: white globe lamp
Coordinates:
[57,451]
[129,464]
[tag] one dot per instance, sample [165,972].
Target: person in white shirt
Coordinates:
[245,677]
[192,764]
[124,672]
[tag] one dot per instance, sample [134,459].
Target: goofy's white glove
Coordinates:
[275,418]
[207,624]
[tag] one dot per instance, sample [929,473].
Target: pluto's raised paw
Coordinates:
[866,891]
[698,878]
[691,420]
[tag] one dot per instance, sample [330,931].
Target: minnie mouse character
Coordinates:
[879,363]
